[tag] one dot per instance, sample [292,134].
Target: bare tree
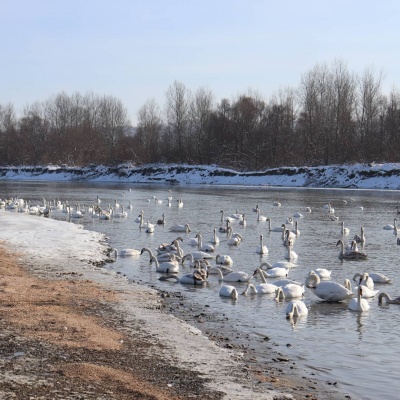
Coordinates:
[177,112]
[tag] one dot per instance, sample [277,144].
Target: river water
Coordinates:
[359,351]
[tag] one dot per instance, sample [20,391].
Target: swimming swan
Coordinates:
[351,255]
[209,248]
[367,293]
[195,278]
[327,290]
[262,288]
[289,291]
[262,249]
[388,299]
[228,291]
[180,228]
[360,238]
[358,304]
[235,276]
[276,228]
[170,267]
[296,308]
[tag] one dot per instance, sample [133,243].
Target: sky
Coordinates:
[134,50]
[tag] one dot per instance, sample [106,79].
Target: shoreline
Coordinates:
[166,357]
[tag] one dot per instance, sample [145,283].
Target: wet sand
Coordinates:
[64,336]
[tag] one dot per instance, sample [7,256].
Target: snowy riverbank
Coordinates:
[357,176]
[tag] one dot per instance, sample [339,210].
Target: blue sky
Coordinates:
[134,50]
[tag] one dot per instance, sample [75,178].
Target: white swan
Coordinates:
[180,203]
[278,264]
[349,255]
[235,276]
[276,272]
[287,235]
[289,291]
[262,248]
[296,229]
[263,288]
[260,218]
[290,254]
[376,277]
[296,308]
[237,215]
[344,231]
[243,221]
[223,259]
[364,279]
[366,291]
[388,299]
[127,253]
[214,239]
[360,238]
[327,290]
[322,273]
[390,227]
[274,229]
[208,248]
[234,239]
[169,267]
[228,291]
[180,228]
[277,204]
[120,214]
[358,304]
[139,218]
[227,219]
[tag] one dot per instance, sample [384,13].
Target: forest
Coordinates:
[332,117]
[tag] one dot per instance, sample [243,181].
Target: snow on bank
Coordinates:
[51,247]
[362,176]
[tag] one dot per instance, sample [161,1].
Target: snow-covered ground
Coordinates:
[362,176]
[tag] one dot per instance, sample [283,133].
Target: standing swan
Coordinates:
[358,304]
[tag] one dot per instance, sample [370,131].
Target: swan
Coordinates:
[274,229]
[209,248]
[364,279]
[296,230]
[276,204]
[256,209]
[243,221]
[237,215]
[174,247]
[149,228]
[344,231]
[170,267]
[351,255]
[330,209]
[260,218]
[161,257]
[358,304]
[180,203]
[215,238]
[296,308]
[228,219]
[228,291]
[360,238]
[327,290]
[234,239]
[162,220]
[298,215]
[290,254]
[139,218]
[234,276]
[366,291]
[388,299]
[127,253]
[390,227]
[322,273]
[289,291]
[224,229]
[376,277]
[263,288]
[180,228]
[223,259]
[121,214]
[195,278]
[289,220]
[74,214]
[116,204]
[278,264]
[287,235]
[146,225]
[262,249]
[276,272]
[285,281]
[308,209]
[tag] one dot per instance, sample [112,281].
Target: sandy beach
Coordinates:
[75,330]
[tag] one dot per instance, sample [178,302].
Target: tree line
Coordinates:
[332,117]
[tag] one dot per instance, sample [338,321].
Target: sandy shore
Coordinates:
[81,332]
